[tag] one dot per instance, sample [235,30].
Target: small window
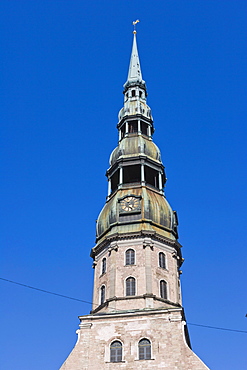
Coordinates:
[133,93]
[130,257]
[116,351]
[103,266]
[131,174]
[163,289]
[122,131]
[115,181]
[144,128]
[162,260]
[133,127]
[144,349]
[140,94]
[130,286]
[102,294]
[151,176]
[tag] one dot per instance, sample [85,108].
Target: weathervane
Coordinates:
[134,24]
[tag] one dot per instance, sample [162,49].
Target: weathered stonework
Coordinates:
[164,328]
[146,272]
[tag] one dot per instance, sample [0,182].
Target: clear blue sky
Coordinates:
[63,64]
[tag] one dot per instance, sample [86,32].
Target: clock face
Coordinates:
[130,204]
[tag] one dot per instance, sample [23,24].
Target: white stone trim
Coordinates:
[99,293]
[130,276]
[137,348]
[127,248]
[166,260]
[167,289]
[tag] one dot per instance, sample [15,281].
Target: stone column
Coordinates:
[112,273]
[139,127]
[109,187]
[142,174]
[160,181]
[120,175]
[148,246]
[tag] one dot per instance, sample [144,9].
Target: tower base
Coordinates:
[164,328]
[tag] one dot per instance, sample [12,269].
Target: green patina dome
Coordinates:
[135,146]
[155,216]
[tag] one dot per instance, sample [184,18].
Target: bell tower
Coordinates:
[137,319]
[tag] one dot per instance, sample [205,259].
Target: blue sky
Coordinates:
[63,64]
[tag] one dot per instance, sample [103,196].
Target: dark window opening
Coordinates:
[133,93]
[103,266]
[163,180]
[144,127]
[144,349]
[130,257]
[115,180]
[133,127]
[151,176]
[131,174]
[162,260]
[130,286]
[116,351]
[163,289]
[140,94]
[122,131]
[102,294]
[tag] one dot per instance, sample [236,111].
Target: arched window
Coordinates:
[102,294]
[130,257]
[103,266]
[144,349]
[116,351]
[162,260]
[163,289]
[130,286]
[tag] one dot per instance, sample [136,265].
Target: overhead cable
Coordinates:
[81,300]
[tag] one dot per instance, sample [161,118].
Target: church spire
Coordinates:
[134,74]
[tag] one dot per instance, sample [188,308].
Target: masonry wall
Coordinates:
[164,329]
[146,271]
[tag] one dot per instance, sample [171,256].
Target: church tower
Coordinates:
[137,319]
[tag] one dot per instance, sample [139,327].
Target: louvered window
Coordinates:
[162,260]
[130,286]
[130,257]
[144,349]
[116,351]
[163,289]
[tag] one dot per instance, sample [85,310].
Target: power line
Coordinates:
[46,291]
[81,300]
[215,327]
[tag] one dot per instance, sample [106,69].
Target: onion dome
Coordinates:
[153,216]
[135,146]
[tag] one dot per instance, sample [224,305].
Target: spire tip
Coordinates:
[134,24]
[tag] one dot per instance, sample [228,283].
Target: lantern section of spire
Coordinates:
[135,100]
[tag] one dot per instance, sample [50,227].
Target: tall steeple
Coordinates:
[137,312]
[136,208]
[135,74]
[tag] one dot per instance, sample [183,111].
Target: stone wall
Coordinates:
[163,328]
